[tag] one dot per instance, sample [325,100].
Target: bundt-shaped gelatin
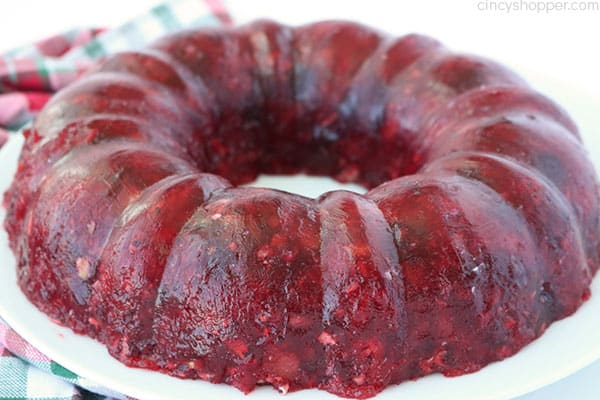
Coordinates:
[481,227]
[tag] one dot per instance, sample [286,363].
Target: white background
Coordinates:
[556,49]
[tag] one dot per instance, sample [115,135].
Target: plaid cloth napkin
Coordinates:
[29,75]
[28,78]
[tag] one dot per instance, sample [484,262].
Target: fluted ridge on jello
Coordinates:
[479,230]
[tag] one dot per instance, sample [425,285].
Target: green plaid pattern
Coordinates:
[26,373]
[29,75]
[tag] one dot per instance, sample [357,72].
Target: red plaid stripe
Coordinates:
[19,347]
[58,45]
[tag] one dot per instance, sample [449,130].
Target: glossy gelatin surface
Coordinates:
[481,226]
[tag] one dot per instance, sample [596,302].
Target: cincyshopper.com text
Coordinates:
[537,6]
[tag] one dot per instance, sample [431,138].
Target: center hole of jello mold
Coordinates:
[305,185]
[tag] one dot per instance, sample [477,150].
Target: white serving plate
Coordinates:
[566,347]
